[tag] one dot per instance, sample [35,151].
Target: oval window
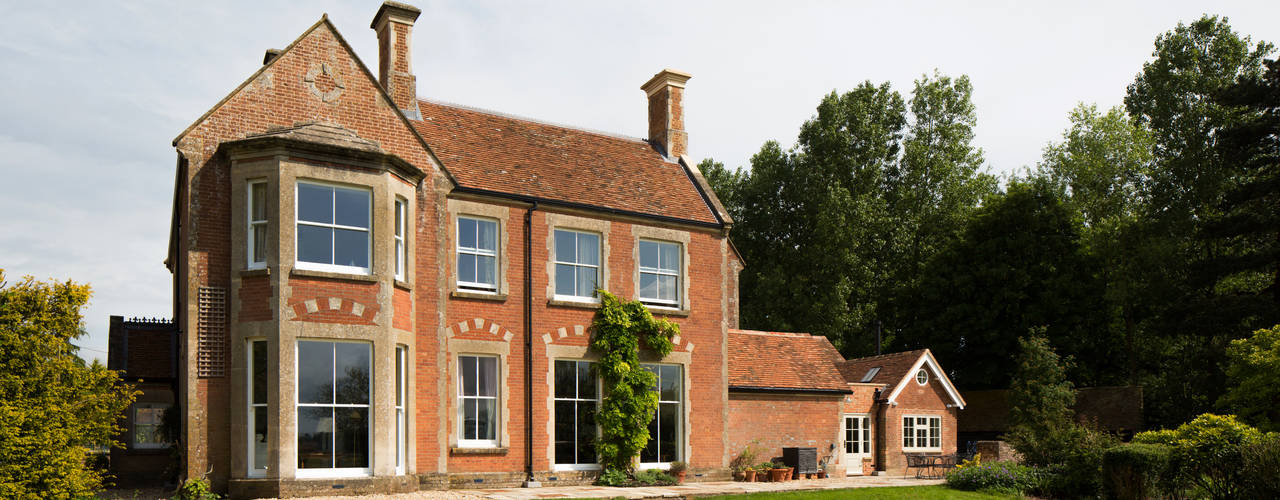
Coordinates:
[922,377]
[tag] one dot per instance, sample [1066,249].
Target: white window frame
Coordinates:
[911,440]
[251,412]
[475,286]
[922,377]
[133,419]
[497,403]
[401,402]
[680,423]
[592,298]
[677,273]
[402,250]
[251,224]
[576,400]
[333,268]
[335,472]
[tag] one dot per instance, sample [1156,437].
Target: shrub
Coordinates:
[1207,452]
[654,477]
[1005,477]
[678,467]
[1135,471]
[195,489]
[613,477]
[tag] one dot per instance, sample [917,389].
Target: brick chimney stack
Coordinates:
[394,25]
[666,112]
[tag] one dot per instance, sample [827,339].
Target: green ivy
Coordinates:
[618,330]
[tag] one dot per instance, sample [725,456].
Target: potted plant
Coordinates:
[678,469]
[742,464]
[748,474]
[777,472]
[762,471]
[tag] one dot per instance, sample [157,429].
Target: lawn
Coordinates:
[892,493]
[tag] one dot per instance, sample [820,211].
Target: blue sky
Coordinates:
[94,92]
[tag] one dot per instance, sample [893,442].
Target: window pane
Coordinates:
[259,371]
[315,244]
[565,373]
[588,249]
[352,373]
[467,267]
[467,372]
[260,438]
[566,279]
[566,246]
[487,232]
[670,260]
[648,254]
[488,379]
[586,432]
[669,383]
[485,270]
[485,418]
[315,203]
[587,281]
[351,207]
[350,248]
[667,288]
[399,218]
[315,372]
[586,382]
[466,233]
[648,286]
[668,427]
[565,432]
[399,258]
[469,416]
[258,201]
[315,438]
[260,242]
[351,444]
[650,451]
[400,354]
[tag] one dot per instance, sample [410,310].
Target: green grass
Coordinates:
[890,493]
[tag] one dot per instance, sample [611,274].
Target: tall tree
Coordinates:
[1018,264]
[53,407]
[726,184]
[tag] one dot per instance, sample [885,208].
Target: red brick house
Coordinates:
[144,352]
[376,292]
[863,415]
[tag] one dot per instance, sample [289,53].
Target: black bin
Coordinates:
[805,460]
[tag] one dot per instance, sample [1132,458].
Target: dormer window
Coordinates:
[333,228]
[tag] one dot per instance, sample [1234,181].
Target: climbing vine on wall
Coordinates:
[618,330]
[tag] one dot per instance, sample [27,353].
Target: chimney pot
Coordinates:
[666,112]
[394,25]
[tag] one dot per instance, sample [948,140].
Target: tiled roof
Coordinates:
[891,367]
[783,361]
[499,153]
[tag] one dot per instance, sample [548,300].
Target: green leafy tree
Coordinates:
[53,407]
[1040,397]
[619,329]
[1254,373]
[1018,264]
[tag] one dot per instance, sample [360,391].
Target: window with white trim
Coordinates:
[257,413]
[402,422]
[402,251]
[333,225]
[477,254]
[665,434]
[660,272]
[333,425]
[577,264]
[478,401]
[922,377]
[576,402]
[148,426]
[922,433]
[257,237]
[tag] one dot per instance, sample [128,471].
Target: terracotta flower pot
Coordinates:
[749,475]
[778,474]
[680,477]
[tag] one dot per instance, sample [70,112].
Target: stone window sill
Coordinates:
[325,274]
[467,294]
[456,450]
[573,303]
[404,285]
[667,311]
[259,271]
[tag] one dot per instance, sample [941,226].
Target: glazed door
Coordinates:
[857,442]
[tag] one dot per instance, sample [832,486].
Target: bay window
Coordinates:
[333,226]
[257,235]
[333,408]
[402,251]
[257,411]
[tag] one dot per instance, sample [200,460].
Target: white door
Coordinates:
[857,442]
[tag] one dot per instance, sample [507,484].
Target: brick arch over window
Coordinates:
[334,310]
[581,335]
[479,329]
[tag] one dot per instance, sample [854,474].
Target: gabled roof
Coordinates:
[492,153]
[896,369]
[795,362]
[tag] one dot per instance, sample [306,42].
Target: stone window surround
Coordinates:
[584,353]
[921,415]
[337,472]
[665,235]
[575,223]
[470,347]
[500,213]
